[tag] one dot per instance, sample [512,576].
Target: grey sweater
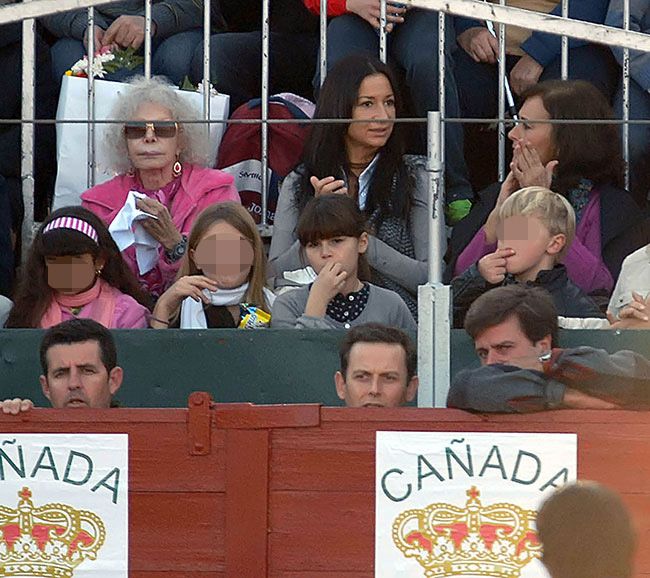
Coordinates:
[284,254]
[170,17]
[383,306]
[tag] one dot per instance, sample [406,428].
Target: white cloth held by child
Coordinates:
[193,316]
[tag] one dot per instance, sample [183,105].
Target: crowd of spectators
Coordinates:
[167,243]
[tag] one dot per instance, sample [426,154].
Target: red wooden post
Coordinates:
[247,494]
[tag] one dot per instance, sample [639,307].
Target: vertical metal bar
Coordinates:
[91,98]
[565,43]
[323,41]
[434,298]
[27,132]
[206,64]
[147,38]
[382,31]
[265,108]
[502,102]
[626,97]
[442,94]
[435,154]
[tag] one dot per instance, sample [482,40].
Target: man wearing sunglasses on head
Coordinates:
[163,165]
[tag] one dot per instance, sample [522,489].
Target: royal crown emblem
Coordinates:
[48,541]
[446,540]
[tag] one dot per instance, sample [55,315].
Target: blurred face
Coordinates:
[148,150]
[537,135]
[72,274]
[77,377]
[343,250]
[376,377]
[534,246]
[375,101]
[507,344]
[224,255]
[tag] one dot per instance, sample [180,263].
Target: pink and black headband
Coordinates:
[75,224]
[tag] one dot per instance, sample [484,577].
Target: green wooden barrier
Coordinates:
[268,366]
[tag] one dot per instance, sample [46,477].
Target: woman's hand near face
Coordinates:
[528,169]
[328,186]
[161,228]
[188,286]
[327,285]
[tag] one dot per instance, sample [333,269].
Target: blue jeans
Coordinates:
[236,64]
[412,46]
[639,140]
[170,58]
[478,86]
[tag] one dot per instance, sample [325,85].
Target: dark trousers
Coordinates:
[478,83]
[236,64]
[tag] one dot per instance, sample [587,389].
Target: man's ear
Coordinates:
[412,388]
[363,243]
[115,378]
[556,244]
[45,387]
[341,387]
[545,344]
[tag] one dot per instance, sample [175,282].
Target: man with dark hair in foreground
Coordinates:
[514,329]
[79,362]
[378,367]
[586,532]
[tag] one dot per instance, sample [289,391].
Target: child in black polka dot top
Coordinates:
[333,237]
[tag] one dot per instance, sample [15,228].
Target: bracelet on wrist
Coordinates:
[152,318]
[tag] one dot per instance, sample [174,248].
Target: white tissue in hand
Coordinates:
[126,231]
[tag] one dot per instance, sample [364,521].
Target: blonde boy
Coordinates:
[536,228]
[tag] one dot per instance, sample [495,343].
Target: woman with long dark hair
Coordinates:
[74,269]
[366,161]
[582,162]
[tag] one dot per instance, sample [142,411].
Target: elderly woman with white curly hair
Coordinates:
[158,155]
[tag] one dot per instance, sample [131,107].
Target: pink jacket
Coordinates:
[200,187]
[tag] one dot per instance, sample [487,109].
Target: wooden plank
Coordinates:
[318,532]
[176,532]
[246,525]
[158,456]
[322,459]
[249,416]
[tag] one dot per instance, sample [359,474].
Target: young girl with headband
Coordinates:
[332,233]
[222,276]
[74,269]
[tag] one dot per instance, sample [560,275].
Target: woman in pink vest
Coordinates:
[163,181]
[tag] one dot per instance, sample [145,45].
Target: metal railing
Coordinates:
[434,298]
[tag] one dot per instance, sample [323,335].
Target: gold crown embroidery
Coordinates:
[497,540]
[49,541]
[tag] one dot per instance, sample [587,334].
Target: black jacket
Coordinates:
[622,226]
[569,299]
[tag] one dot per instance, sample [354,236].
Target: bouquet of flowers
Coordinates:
[108,59]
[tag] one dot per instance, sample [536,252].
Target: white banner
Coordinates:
[72,139]
[64,505]
[464,504]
